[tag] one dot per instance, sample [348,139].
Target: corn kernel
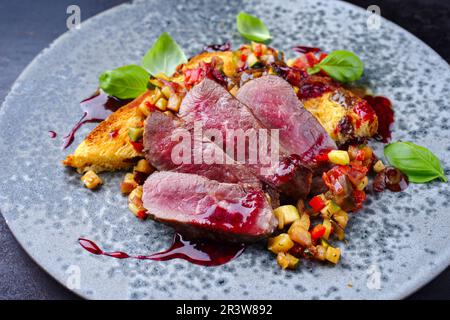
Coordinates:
[286,215]
[280,243]
[91,180]
[286,260]
[333,254]
[161,104]
[378,166]
[339,157]
[143,166]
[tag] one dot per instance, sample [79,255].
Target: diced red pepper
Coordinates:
[322,157]
[300,63]
[150,106]
[193,76]
[138,146]
[360,197]
[356,173]
[311,58]
[317,232]
[317,203]
[322,56]
[243,57]
[360,155]
[142,214]
[258,50]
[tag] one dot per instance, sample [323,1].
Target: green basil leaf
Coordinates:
[418,163]
[164,56]
[252,28]
[341,65]
[125,82]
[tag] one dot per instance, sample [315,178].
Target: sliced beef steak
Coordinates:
[273,101]
[200,207]
[163,133]
[212,106]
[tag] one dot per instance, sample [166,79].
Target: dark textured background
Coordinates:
[28,26]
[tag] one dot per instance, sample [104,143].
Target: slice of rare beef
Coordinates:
[273,101]
[204,208]
[244,138]
[163,136]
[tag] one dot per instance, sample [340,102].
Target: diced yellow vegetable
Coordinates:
[338,231]
[280,243]
[290,62]
[135,134]
[252,60]
[333,254]
[327,224]
[330,208]
[299,234]
[320,252]
[286,260]
[143,166]
[144,109]
[135,200]
[128,184]
[161,104]
[341,217]
[304,221]
[166,91]
[324,243]
[363,184]
[378,166]
[339,157]
[91,180]
[174,103]
[286,215]
[156,95]
[157,83]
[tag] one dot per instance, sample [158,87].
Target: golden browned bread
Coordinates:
[108,147]
[335,112]
[102,152]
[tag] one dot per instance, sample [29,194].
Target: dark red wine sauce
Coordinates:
[95,109]
[52,134]
[383,108]
[201,252]
[390,178]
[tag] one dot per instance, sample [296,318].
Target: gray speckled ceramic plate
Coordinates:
[402,240]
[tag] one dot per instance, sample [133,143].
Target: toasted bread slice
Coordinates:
[100,152]
[104,151]
[333,113]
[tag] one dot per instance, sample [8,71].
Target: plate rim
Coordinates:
[408,288]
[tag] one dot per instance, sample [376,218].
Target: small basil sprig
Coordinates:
[130,81]
[164,56]
[418,163]
[252,28]
[341,65]
[125,82]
